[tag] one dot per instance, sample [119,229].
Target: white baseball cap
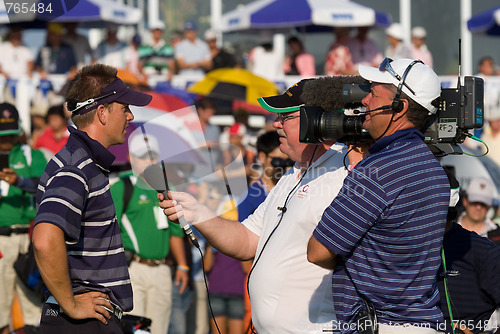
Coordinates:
[138,147]
[210,35]
[420,78]
[157,25]
[395,30]
[480,190]
[419,32]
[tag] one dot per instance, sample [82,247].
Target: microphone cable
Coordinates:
[206,286]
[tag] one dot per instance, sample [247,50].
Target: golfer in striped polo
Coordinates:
[76,237]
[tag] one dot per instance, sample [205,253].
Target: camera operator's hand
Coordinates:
[358,153]
[9,176]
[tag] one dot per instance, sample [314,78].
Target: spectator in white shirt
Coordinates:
[17,60]
[192,54]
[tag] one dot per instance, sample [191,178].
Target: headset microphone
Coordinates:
[359,112]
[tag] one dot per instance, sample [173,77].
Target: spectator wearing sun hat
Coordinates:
[418,46]
[396,48]
[192,54]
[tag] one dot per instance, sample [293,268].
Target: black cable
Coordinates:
[344,161]
[206,287]
[283,210]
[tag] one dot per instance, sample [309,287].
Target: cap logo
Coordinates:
[482,186]
[292,86]
[7,116]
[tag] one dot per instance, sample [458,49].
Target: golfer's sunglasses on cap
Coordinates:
[73,104]
[385,65]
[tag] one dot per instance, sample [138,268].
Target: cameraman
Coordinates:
[383,232]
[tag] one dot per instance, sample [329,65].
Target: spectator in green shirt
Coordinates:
[148,237]
[20,169]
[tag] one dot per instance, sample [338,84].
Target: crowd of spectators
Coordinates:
[66,51]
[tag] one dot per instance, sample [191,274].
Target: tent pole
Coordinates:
[215,19]
[405,19]
[465,14]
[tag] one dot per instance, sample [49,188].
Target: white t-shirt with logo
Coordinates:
[289,294]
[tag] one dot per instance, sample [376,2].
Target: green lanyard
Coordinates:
[446,290]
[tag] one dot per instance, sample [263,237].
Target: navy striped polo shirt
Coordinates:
[387,223]
[74,194]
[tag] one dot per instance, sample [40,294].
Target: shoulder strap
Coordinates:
[127,192]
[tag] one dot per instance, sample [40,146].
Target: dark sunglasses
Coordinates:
[281,163]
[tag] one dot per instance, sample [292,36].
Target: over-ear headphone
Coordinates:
[397,105]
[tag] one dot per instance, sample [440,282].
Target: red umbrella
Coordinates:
[166,102]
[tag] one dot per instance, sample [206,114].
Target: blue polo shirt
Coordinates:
[257,193]
[74,194]
[387,223]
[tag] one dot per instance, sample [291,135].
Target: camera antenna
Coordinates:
[459,84]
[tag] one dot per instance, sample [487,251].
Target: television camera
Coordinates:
[341,116]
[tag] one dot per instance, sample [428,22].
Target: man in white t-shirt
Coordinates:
[17,60]
[192,54]
[287,293]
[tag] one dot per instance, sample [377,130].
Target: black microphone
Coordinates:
[282,208]
[157,179]
[359,112]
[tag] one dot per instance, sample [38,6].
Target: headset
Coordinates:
[397,104]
